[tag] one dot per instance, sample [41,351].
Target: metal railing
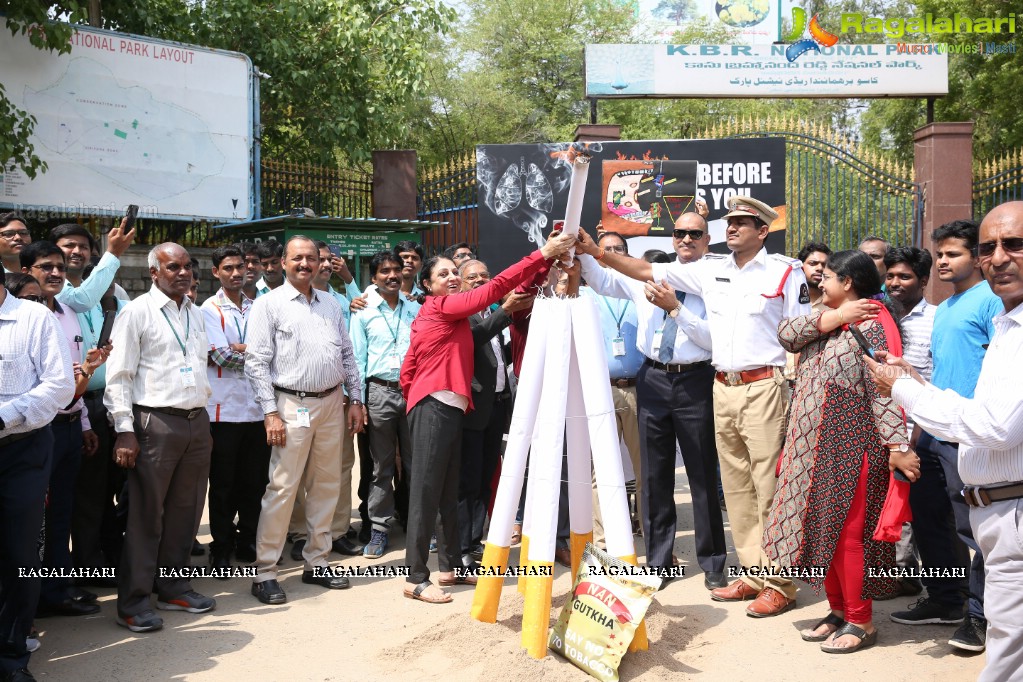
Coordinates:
[996,181]
[447,194]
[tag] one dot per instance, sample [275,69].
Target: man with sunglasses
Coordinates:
[72,436]
[674,383]
[747,295]
[961,333]
[988,428]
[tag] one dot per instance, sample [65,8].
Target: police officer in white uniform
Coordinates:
[747,294]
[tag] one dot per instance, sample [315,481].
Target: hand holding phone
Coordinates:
[108,325]
[862,341]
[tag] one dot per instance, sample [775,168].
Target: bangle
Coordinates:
[600,254]
[841,317]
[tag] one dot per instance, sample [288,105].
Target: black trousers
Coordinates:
[437,442]
[934,527]
[67,455]
[481,451]
[96,532]
[24,476]
[679,406]
[239,472]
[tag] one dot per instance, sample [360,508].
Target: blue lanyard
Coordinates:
[621,315]
[188,330]
[397,325]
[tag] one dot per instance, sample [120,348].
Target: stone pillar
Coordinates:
[597,132]
[943,166]
[394,184]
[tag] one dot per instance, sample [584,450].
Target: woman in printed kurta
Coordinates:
[834,468]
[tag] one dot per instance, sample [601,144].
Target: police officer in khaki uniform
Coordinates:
[747,294]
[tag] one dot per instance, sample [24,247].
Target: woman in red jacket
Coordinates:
[436,378]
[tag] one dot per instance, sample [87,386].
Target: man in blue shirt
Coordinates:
[618,324]
[962,331]
[380,338]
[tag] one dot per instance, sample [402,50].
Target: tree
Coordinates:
[676,10]
[342,73]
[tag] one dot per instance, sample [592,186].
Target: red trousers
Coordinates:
[844,582]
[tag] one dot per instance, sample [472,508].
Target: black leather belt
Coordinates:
[393,385]
[92,395]
[977,496]
[306,394]
[948,443]
[677,369]
[69,418]
[15,437]
[623,383]
[175,411]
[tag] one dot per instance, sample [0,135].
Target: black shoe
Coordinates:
[98,581]
[351,533]
[221,561]
[80,596]
[245,554]
[345,546]
[296,550]
[269,592]
[365,532]
[925,611]
[331,582]
[477,552]
[714,579]
[971,635]
[66,608]
[19,675]
[197,548]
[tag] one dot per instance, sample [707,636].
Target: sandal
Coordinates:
[866,640]
[516,536]
[830,619]
[417,594]
[457,580]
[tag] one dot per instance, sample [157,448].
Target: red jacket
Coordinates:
[439,357]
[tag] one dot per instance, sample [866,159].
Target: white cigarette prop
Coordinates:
[576,192]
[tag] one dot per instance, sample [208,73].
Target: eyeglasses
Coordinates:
[472,277]
[33,298]
[1013,245]
[695,235]
[11,234]
[50,267]
[616,249]
[825,278]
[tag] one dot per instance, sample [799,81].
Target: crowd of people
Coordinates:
[820,402]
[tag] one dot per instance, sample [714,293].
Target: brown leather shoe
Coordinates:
[737,591]
[563,556]
[770,602]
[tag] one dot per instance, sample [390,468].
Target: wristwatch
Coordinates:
[675,311]
[355,402]
[901,447]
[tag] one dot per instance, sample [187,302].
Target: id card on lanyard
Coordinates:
[186,373]
[617,343]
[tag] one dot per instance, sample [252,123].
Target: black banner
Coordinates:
[523,188]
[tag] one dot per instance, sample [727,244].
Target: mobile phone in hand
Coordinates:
[862,341]
[130,215]
[108,325]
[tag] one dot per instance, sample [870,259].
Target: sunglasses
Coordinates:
[33,298]
[51,267]
[1013,245]
[695,235]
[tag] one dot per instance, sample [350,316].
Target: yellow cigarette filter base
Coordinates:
[579,541]
[488,587]
[523,562]
[639,641]
[536,615]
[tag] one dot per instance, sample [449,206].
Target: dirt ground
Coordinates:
[371,632]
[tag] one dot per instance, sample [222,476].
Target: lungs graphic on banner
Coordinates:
[635,188]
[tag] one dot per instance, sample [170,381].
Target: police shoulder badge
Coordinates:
[804,293]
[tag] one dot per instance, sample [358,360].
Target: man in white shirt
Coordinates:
[270,254]
[157,391]
[989,431]
[240,458]
[36,380]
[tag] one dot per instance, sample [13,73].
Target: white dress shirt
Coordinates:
[298,344]
[232,399]
[744,305]
[693,339]
[36,378]
[988,427]
[72,330]
[147,365]
[916,337]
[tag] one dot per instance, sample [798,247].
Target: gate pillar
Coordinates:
[394,184]
[943,167]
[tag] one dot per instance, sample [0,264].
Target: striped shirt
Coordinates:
[916,337]
[35,367]
[232,399]
[298,344]
[988,427]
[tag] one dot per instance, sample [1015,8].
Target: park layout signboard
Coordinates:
[635,188]
[124,120]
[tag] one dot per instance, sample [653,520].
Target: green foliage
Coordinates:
[675,10]
[342,73]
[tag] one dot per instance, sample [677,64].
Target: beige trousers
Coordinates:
[628,430]
[342,520]
[749,424]
[309,460]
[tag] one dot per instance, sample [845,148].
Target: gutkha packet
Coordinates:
[596,626]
